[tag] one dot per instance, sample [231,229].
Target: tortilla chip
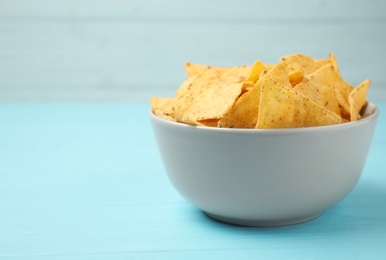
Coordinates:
[193,69]
[186,85]
[344,88]
[163,107]
[281,107]
[298,92]
[300,62]
[319,86]
[247,86]
[357,99]
[209,122]
[296,77]
[258,66]
[210,95]
[245,111]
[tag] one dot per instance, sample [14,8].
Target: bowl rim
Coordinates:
[374,113]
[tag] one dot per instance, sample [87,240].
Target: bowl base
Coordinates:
[262,223]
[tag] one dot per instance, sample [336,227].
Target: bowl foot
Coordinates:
[262,223]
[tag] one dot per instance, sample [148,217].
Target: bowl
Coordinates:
[264,177]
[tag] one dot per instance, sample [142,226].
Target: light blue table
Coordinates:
[85,181]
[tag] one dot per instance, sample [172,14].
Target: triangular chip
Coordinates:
[258,66]
[343,87]
[245,111]
[186,85]
[319,86]
[210,95]
[195,68]
[357,99]
[303,63]
[281,107]
[163,107]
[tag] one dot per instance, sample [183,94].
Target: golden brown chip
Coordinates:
[245,111]
[357,99]
[343,87]
[209,122]
[211,95]
[319,86]
[298,92]
[247,86]
[300,62]
[296,77]
[263,73]
[186,85]
[281,107]
[163,107]
[258,66]
[345,116]
[195,68]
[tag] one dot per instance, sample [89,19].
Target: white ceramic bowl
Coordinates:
[259,177]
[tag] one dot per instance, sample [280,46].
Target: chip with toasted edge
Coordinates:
[281,107]
[245,111]
[301,62]
[163,107]
[211,95]
[209,122]
[357,99]
[195,68]
[319,86]
[344,88]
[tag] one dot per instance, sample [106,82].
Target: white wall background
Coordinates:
[113,50]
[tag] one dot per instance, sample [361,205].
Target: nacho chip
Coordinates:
[298,92]
[186,85]
[281,107]
[258,66]
[319,86]
[195,68]
[357,99]
[209,122]
[263,73]
[296,77]
[247,86]
[344,88]
[303,63]
[211,95]
[163,107]
[245,111]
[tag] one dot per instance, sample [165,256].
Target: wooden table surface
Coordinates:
[85,181]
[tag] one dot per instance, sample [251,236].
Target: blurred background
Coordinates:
[115,50]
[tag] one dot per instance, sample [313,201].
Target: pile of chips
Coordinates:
[299,91]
